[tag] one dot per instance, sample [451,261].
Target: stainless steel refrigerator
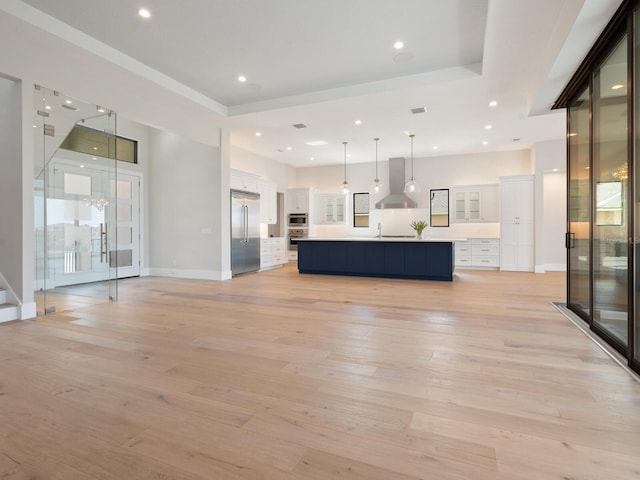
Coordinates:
[245,232]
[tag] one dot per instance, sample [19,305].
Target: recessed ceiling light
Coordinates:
[35,126]
[258,134]
[312,158]
[398,45]
[48,107]
[488,127]
[493,103]
[81,166]
[348,155]
[358,122]
[316,143]
[144,13]
[485,143]
[617,87]
[242,78]
[555,169]
[288,148]
[68,102]
[435,147]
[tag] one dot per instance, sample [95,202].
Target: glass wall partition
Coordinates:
[75,208]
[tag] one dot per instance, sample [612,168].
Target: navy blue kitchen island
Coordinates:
[430,259]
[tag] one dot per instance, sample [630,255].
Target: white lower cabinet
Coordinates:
[273,252]
[478,253]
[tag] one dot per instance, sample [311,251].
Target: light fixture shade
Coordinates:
[411,186]
[344,188]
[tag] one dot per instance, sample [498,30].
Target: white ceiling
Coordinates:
[327,63]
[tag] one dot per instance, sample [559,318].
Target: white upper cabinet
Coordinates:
[331,208]
[268,202]
[244,181]
[298,200]
[475,203]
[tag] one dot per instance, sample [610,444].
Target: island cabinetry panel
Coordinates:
[414,260]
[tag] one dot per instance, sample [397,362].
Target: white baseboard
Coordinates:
[556,267]
[27,310]
[550,267]
[191,274]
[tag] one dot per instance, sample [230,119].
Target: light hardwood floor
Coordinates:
[281,376]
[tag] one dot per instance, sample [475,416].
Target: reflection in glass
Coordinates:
[610,230]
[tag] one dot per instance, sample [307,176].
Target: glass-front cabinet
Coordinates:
[603,185]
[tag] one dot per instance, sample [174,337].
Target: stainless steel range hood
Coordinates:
[396,197]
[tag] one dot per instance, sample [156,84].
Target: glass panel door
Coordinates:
[611,193]
[579,208]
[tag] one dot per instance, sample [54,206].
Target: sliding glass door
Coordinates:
[610,173]
[579,208]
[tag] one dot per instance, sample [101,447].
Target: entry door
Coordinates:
[77,210]
[95,224]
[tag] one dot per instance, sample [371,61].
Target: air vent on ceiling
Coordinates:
[299,125]
[418,110]
[69,107]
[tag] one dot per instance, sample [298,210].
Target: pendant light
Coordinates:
[376,186]
[411,186]
[344,188]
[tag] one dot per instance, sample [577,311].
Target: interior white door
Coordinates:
[124,254]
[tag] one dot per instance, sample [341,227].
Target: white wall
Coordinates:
[554,223]
[184,207]
[550,224]
[11,185]
[431,173]
[267,169]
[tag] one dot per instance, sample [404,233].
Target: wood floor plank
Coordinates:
[284,376]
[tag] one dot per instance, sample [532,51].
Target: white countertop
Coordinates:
[383,239]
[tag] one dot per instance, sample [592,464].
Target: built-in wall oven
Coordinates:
[296,234]
[298,220]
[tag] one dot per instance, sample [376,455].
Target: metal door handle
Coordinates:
[246,224]
[570,240]
[103,243]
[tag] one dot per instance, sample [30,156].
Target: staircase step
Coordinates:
[8,312]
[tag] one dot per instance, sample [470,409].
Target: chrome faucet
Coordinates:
[379,230]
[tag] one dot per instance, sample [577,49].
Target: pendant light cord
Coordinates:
[411,136]
[345,160]
[376,139]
